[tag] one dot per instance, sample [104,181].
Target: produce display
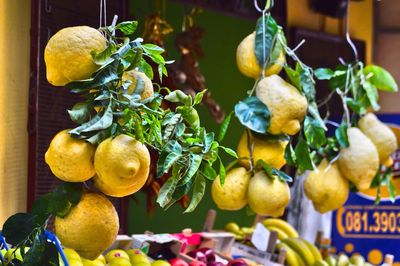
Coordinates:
[131,130]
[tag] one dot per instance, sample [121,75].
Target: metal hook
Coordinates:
[47,7]
[348,38]
[267,8]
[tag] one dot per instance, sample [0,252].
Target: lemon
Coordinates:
[71,254]
[68,54]
[122,165]
[95,262]
[70,159]
[286,105]
[326,187]
[267,196]
[380,134]
[360,161]
[247,61]
[90,227]
[232,194]
[116,253]
[119,262]
[270,151]
[160,263]
[135,76]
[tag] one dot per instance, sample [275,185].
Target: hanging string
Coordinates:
[103,14]
[268,5]
[348,38]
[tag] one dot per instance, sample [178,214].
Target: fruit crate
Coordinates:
[50,238]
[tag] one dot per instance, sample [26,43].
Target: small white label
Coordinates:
[260,237]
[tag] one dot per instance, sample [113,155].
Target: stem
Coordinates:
[250,146]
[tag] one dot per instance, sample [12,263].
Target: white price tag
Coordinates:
[260,237]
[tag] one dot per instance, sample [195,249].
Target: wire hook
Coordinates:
[269,4]
[348,38]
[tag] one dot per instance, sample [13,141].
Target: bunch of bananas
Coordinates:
[343,260]
[300,252]
[239,232]
[283,228]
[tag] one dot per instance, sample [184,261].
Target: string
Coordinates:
[348,38]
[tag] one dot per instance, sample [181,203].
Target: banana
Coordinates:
[281,234]
[301,249]
[247,230]
[321,262]
[283,225]
[317,255]
[291,258]
[300,260]
[331,260]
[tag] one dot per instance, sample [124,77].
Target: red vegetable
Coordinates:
[178,262]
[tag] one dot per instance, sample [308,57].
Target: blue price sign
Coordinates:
[371,230]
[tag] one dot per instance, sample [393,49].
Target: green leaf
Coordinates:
[193,167]
[169,123]
[198,193]
[172,147]
[306,82]
[253,114]
[266,30]
[294,77]
[102,77]
[99,122]
[324,73]
[103,134]
[303,156]
[222,172]
[18,227]
[178,96]
[266,167]
[224,127]
[290,155]
[167,190]
[146,68]
[127,27]
[209,172]
[180,129]
[372,94]
[63,197]
[277,49]
[80,112]
[314,133]
[40,208]
[355,106]
[35,255]
[152,48]
[199,97]
[313,110]
[104,57]
[387,178]
[172,157]
[282,176]
[341,135]
[380,78]
[229,151]
[208,140]
[190,115]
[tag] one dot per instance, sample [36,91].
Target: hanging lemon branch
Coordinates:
[118,120]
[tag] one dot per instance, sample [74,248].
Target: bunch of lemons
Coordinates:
[118,166]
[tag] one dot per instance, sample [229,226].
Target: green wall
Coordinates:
[228,86]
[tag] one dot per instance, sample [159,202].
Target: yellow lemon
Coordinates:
[116,253]
[139,79]
[247,61]
[267,196]
[119,262]
[380,134]
[122,165]
[270,151]
[286,104]
[71,254]
[95,262]
[360,161]
[70,159]
[90,227]
[232,194]
[326,187]
[68,54]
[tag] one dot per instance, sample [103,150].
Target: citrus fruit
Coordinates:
[360,161]
[270,151]
[380,134]
[247,61]
[140,80]
[116,253]
[286,104]
[70,159]
[232,194]
[122,165]
[68,54]
[90,227]
[267,196]
[326,187]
